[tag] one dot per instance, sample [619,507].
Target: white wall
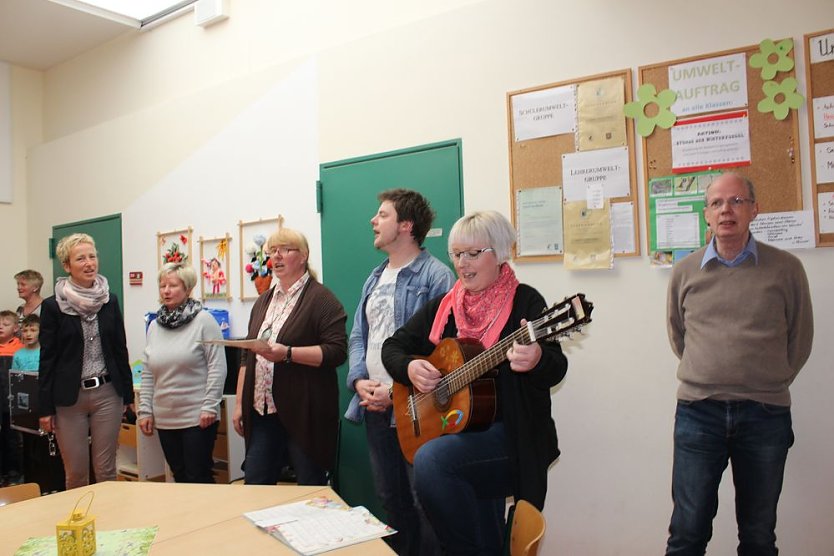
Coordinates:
[21,92]
[230,123]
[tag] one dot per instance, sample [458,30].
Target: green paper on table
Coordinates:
[124,542]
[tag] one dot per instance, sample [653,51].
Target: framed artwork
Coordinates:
[256,268]
[214,264]
[174,247]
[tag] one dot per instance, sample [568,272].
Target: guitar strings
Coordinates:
[470,370]
[463,375]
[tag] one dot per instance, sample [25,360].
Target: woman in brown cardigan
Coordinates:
[287,395]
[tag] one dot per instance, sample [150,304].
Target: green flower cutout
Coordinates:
[780,97]
[647,95]
[773,57]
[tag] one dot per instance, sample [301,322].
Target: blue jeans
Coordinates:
[393,479]
[755,438]
[188,452]
[270,449]
[462,481]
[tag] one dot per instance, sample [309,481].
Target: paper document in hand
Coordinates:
[243,344]
[319,525]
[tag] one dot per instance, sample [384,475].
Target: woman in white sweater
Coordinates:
[182,380]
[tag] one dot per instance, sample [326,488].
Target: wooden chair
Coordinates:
[527,529]
[18,493]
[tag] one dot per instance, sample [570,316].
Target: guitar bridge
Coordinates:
[412,413]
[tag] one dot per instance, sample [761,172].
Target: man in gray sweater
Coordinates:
[741,323]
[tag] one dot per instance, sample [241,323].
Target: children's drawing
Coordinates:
[214,260]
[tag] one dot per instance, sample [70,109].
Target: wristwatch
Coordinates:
[288,356]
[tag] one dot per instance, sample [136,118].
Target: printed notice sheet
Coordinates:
[608,167]
[825,203]
[823,117]
[825,162]
[588,237]
[544,113]
[822,48]
[676,216]
[709,85]
[707,142]
[676,222]
[243,344]
[600,121]
[319,525]
[622,227]
[785,230]
[539,218]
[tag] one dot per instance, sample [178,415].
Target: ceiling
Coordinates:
[38,34]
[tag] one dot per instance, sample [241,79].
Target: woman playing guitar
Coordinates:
[462,480]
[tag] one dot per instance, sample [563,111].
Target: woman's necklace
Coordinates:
[267,332]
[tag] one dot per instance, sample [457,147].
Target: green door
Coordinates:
[107,233]
[348,201]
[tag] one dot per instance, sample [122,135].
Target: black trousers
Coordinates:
[188,452]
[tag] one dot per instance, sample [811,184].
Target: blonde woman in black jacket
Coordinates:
[84,376]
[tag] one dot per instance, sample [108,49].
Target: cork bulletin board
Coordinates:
[819,74]
[774,144]
[537,162]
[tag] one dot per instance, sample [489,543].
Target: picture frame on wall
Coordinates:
[214,267]
[174,247]
[255,266]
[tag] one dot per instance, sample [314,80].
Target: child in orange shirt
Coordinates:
[9,344]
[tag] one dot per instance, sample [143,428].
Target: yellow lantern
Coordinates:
[77,534]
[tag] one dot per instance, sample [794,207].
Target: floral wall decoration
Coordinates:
[779,96]
[174,247]
[658,105]
[256,266]
[214,261]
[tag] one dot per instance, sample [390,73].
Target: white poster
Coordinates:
[539,219]
[825,162]
[825,203]
[622,227]
[606,167]
[710,142]
[709,85]
[785,230]
[544,113]
[822,48]
[824,117]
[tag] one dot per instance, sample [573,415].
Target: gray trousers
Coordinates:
[96,415]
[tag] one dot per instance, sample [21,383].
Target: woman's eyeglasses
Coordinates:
[283,250]
[469,255]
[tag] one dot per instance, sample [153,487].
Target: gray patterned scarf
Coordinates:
[86,302]
[174,318]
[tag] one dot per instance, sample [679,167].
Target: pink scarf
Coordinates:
[479,315]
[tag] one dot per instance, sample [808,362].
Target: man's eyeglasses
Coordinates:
[734,202]
[470,255]
[283,250]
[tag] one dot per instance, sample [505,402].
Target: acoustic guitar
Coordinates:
[464,399]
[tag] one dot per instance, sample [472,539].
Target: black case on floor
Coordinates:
[23,401]
[39,466]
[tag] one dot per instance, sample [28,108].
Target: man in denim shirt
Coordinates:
[407,279]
